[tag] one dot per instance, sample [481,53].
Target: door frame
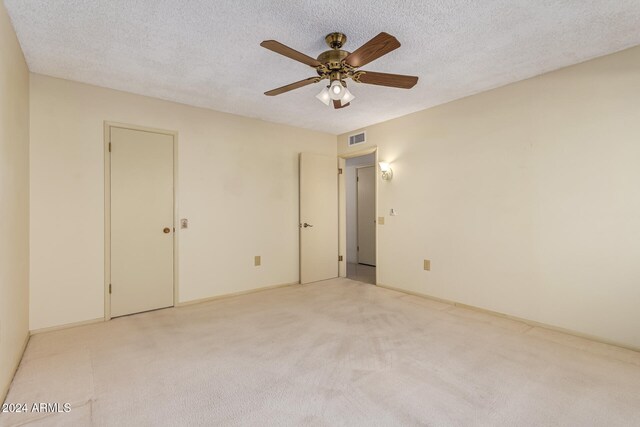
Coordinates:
[358,209]
[342,208]
[107,208]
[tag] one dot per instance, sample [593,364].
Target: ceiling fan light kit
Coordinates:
[338,65]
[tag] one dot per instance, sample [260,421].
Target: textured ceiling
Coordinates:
[206,53]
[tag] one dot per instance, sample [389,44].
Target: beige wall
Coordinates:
[525,198]
[238,187]
[14,202]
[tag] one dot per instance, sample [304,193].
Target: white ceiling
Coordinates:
[206,53]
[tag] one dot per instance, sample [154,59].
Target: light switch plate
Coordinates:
[380,220]
[257,261]
[427,264]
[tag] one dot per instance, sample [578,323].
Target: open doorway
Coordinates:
[360,203]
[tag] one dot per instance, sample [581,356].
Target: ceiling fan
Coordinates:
[338,65]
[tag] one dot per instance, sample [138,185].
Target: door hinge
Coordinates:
[339,171]
[109,147]
[109,287]
[358,247]
[358,179]
[339,257]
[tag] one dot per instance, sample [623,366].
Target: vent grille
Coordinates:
[358,138]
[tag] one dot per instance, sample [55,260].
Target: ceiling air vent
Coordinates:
[358,138]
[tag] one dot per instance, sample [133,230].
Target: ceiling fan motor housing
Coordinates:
[332,59]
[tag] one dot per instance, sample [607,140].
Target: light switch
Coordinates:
[256,260]
[380,220]
[427,265]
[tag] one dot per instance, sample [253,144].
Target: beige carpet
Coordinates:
[332,353]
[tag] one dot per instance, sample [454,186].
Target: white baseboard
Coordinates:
[181,304]
[519,319]
[67,326]
[234,294]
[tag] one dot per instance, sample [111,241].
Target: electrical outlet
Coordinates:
[257,261]
[184,223]
[427,265]
[380,220]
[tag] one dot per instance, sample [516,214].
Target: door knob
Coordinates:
[166,230]
[305,225]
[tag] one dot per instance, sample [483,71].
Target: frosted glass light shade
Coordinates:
[336,90]
[324,96]
[347,97]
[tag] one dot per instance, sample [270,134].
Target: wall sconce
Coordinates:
[387,173]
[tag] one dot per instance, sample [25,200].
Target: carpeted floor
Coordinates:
[337,352]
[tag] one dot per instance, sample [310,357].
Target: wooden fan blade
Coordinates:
[337,104]
[291,86]
[391,80]
[278,47]
[380,45]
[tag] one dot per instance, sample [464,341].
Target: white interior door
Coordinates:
[318,217]
[141,221]
[366,215]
